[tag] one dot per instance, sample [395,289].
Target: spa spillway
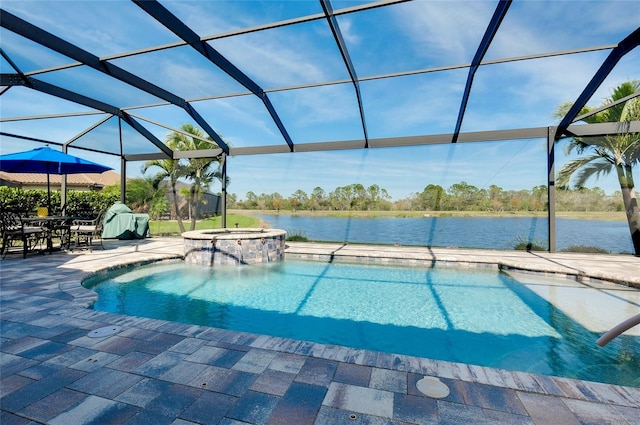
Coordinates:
[219,247]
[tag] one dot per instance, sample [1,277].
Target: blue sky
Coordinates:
[403,37]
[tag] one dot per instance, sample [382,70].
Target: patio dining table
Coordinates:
[52,224]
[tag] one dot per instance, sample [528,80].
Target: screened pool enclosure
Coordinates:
[108,80]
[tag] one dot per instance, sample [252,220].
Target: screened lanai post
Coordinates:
[123,166]
[123,179]
[63,186]
[551,186]
[224,190]
[63,194]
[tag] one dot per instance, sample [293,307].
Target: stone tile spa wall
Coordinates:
[233,248]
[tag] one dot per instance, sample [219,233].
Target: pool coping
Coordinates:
[543,385]
[539,262]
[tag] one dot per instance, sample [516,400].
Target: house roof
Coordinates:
[107,178]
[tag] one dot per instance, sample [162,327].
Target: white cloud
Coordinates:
[320,105]
[241,119]
[349,34]
[274,58]
[100,27]
[280,57]
[449,29]
[412,105]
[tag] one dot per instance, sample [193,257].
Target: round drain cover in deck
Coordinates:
[104,332]
[432,387]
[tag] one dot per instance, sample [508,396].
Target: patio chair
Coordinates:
[61,228]
[85,231]
[14,229]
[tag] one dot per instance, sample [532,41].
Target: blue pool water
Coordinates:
[477,317]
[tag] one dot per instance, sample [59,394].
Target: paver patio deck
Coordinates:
[159,372]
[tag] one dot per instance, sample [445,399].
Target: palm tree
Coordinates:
[199,169]
[171,169]
[202,179]
[603,154]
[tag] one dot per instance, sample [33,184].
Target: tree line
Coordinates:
[457,197]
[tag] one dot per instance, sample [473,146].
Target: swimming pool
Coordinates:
[491,318]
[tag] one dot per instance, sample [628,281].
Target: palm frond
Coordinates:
[631,111]
[595,169]
[605,154]
[572,168]
[578,145]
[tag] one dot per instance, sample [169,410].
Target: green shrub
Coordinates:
[159,207]
[297,236]
[585,249]
[26,201]
[524,244]
[93,201]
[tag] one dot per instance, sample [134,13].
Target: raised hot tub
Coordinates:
[234,246]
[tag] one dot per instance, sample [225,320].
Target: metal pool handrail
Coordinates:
[618,329]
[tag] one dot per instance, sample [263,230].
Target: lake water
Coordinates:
[463,232]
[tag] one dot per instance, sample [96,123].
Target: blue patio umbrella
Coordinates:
[48,161]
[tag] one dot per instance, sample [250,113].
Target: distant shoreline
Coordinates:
[578,215]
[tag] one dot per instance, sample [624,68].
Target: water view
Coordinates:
[464,232]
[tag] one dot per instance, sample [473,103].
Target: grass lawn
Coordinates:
[166,228]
